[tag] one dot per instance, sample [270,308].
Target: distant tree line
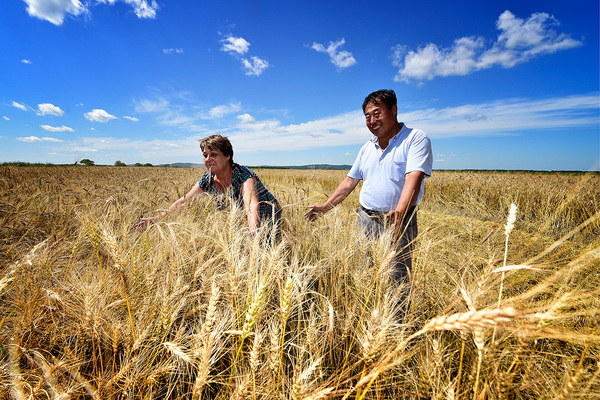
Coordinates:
[85,162]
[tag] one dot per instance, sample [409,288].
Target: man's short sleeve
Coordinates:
[356,171]
[420,157]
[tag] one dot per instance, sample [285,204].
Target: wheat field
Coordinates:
[504,304]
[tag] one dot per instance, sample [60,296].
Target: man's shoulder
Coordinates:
[416,133]
[367,146]
[414,137]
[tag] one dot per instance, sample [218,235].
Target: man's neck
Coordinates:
[385,141]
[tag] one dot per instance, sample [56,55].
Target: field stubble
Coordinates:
[196,308]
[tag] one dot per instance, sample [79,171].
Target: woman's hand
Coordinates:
[145,223]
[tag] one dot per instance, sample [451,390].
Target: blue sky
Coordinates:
[495,84]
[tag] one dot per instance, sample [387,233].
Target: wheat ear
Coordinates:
[16,378]
[456,322]
[471,320]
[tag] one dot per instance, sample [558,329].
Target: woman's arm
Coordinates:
[251,203]
[179,203]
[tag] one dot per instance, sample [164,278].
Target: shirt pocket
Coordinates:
[398,171]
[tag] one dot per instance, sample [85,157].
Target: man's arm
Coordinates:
[410,192]
[339,194]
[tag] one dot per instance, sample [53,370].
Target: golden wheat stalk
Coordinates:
[49,375]
[16,377]
[590,221]
[253,311]
[27,259]
[471,320]
[468,321]
[206,360]
[74,372]
[299,386]
[178,351]
[507,268]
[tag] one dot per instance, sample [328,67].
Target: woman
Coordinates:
[228,181]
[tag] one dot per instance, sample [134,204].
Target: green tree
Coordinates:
[120,163]
[87,161]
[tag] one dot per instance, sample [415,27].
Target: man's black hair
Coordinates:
[385,96]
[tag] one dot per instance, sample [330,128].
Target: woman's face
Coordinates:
[215,160]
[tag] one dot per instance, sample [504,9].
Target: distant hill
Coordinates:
[310,166]
[186,165]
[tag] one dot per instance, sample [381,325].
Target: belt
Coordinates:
[382,214]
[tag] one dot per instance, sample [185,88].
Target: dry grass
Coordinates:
[196,308]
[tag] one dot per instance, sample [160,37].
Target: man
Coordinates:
[392,166]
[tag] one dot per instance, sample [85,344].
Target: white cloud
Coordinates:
[6,118]
[507,117]
[57,128]
[146,105]
[173,51]
[222,110]
[85,149]
[49,109]
[170,114]
[519,41]
[246,119]
[99,115]
[26,61]
[33,139]
[255,67]
[54,11]
[141,8]
[237,45]
[134,119]
[339,58]
[475,117]
[20,106]
[504,117]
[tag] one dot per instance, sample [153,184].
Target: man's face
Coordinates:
[381,120]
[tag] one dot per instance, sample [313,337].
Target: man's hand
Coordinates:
[315,211]
[345,187]
[410,193]
[395,218]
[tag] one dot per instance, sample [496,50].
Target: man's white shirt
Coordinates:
[382,172]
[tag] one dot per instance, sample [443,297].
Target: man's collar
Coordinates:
[375,139]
